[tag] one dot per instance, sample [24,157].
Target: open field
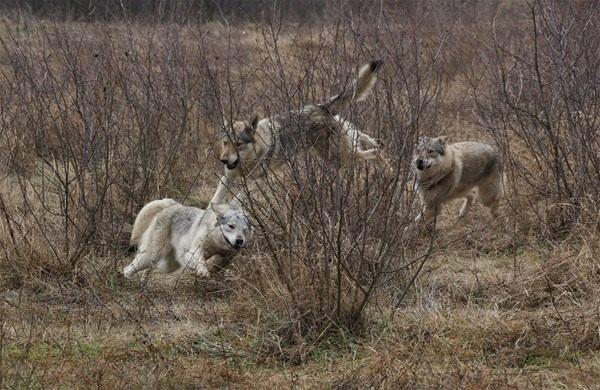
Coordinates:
[98,117]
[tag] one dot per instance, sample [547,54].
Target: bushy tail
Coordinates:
[360,89]
[146,216]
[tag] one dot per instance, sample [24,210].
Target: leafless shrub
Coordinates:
[98,125]
[332,236]
[96,119]
[94,128]
[543,93]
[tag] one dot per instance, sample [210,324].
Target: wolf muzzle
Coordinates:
[231,165]
[239,243]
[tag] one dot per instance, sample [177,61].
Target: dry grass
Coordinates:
[98,118]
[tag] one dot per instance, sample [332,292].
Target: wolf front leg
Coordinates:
[153,247]
[254,187]
[201,269]
[222,189]
[428,216]
[218,263]
[197,263]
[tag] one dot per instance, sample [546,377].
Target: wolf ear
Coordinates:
[235,204]
[224,128]
[218,209]
[248,134]
[442,142]
[254,122]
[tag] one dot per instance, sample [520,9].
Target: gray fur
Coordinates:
[254,148]
[459,170]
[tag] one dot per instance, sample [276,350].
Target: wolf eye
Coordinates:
[240,144]
[230,226]
[430,151]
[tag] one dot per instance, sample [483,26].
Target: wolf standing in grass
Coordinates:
[254,148]
[460,170]
[170,236]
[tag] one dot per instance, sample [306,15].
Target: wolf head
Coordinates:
[430,154]
[232,226]
[236,141]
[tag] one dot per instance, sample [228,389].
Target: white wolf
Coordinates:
[170,236]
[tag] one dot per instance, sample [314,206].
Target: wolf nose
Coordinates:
[420,164]
[239,243]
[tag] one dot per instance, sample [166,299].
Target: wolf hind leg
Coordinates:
[466,206]
[154,246]
[376,155]
[366,141]
[490,194]
[167,265]
[141,263]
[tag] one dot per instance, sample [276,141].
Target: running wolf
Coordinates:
[449,171]
[170,236]
[256,147]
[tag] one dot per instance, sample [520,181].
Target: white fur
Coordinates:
[145,217]
[172,236]
[253,148]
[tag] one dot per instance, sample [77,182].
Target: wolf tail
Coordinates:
[146,216]
[360,89]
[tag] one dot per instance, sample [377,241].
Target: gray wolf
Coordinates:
[459,170]
[253,148]
[170,236]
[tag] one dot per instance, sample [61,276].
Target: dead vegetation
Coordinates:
[97,118]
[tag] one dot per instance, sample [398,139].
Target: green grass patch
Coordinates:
[44,351]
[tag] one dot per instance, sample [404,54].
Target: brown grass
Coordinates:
[98,118]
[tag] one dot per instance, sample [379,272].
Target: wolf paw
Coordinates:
[128,271]
[202,272]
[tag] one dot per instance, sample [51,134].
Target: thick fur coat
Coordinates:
[466,170]
[256,147]
[171,236]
